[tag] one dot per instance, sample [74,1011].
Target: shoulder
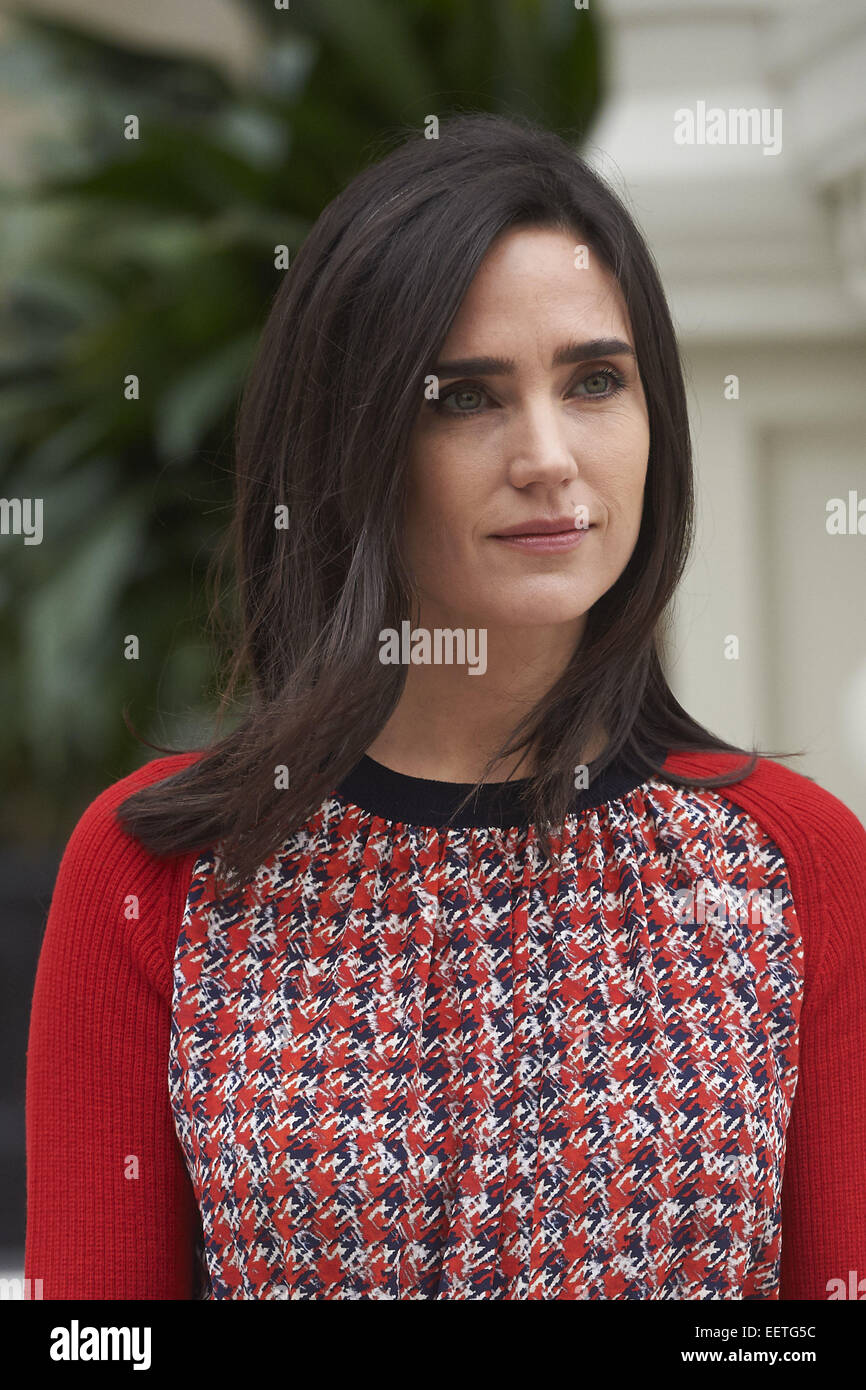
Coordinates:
[157,770]
[821,840]
[98,839]
[108,881]
[786,803]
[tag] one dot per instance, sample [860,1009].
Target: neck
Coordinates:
[449,722]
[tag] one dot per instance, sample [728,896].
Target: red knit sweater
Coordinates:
[111,1211]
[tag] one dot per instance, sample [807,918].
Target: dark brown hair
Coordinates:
[323,429]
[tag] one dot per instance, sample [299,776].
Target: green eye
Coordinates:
[610,379]
[460,397]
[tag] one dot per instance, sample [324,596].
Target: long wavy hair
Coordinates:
[323,430]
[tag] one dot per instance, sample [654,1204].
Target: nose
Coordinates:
[539,448]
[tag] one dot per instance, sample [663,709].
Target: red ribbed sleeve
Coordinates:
[824,1191]
[824,1184]
[110,1210]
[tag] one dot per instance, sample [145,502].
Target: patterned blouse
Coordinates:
[412,1060]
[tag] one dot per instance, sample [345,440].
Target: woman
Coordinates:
[467,965]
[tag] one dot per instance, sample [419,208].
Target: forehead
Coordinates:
[536,279]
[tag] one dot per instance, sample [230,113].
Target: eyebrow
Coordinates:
[506,366]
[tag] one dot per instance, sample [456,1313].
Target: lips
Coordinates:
[542,526]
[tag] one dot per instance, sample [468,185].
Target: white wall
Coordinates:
[763,258]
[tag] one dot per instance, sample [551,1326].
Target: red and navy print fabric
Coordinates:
[418,1063]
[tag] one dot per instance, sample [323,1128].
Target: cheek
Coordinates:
[623,478]
[442,501]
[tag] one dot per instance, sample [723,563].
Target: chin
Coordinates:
[534,612]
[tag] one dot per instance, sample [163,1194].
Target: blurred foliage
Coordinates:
[155,257]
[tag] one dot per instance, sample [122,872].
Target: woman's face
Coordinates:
[557,430]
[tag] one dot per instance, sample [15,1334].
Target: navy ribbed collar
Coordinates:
[395,796]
